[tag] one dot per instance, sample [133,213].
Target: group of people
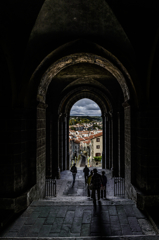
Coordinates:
[94,180]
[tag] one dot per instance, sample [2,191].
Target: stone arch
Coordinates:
[85,91]
[119,75]
[81,58]
[64,113]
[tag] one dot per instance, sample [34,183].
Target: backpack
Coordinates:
[74,169]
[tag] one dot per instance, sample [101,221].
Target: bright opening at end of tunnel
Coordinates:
[85,107]
[85,134]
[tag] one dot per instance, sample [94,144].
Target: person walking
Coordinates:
[74,171]
[103,185]
[89,183]
[86,173]
[96,181]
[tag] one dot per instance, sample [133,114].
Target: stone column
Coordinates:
[41,149]
[104,141]
[115,144]
[60,141]
[127,138]
[107,141]
[65,141]
[111,140]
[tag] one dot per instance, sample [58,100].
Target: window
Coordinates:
[98,154]
[97,146]
[97,139]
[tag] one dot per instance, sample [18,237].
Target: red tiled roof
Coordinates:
[96,135]
[88,141]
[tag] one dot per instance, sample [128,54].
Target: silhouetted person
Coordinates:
[74,171]
[96,181]
[103,186]
[86,172]
[88,183]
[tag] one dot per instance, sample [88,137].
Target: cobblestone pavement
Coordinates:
[73,215]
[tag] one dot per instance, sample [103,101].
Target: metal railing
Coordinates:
[50,187]
[119,186]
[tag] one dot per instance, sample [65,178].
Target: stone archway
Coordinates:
[113,117]
[64,111]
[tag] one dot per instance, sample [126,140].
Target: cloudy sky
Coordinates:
[85,107]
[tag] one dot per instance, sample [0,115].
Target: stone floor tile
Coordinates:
[86,217]
[56,227]
[65,230]
[126,230]
[50,219]
[85,229]
[74,235]
[106,229]
[112,210]
[24,231]
[71,208]
[105,217]
[116,232]
[123,218]
[138,233]
[62,212]
[129,211]
[44,231]
[64,233]
[147,229]
[54,234]
[96,228]
[30,220]
[134,225]
[17,224]
[79,211]
[69,217]
[11,234]
[37,225]
[76,226]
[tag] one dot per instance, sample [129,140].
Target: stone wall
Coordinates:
[13,162]
[41,150]
[127,121]
[147,165]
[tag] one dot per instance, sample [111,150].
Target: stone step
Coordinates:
[69,200]
[126,237]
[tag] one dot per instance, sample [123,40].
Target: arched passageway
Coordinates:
[63,83]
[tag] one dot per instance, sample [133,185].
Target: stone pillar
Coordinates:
[55,149]
[41,149]
[107,142]
[111,141]
[115,144]
[104,141]
[65,141]
[68,157]
[127,138]
[49,145]
[60,141]
[122,156]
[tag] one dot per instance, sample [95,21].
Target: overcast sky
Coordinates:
[85,107]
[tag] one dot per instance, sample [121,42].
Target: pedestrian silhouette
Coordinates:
[86,173]
[96,181]
[89,183]
[103,185]
[74,171]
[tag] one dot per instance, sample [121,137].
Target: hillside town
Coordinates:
[85,142]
